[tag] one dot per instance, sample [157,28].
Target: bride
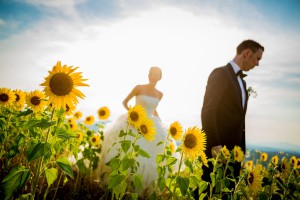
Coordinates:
[149,97]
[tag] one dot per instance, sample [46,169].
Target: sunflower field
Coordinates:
[48,151]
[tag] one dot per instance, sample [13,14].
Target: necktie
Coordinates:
[241,74]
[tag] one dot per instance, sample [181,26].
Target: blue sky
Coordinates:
[114,42]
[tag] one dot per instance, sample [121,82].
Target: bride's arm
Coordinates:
[133,93]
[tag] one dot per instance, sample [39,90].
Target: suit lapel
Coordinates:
[245,88]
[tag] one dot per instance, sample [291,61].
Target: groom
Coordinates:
[225,102]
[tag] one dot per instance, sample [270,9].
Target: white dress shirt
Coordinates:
[236,68]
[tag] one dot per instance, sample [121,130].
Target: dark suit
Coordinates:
[223,116]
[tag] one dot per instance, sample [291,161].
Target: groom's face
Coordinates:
[252,59]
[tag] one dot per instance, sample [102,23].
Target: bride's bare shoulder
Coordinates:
[159,94]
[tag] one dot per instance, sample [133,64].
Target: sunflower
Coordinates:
[238,154]
[249,164]
[73,125]
[172,147]
[60,85]
[175,130]
[293,161]
[77,115]
[225,152]
[70,120]
[254,180]
[20,99]
[103,113]
[260,168]
[146,128]
[136,114]
[193,143]
[69,109]
[284,166]
[204,158]
[274,160]
[7,97]
[95,140]
[298,163]
[89,120]
[79,136]
[264,157]
[36,100]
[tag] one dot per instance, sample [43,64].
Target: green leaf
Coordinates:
[44,124]
[64,134]
[25,113]
[171,161]
[81,166]
[12,152]
[65,166]
[263,196]
[161,182]
[16,179]
[51,175]
[143,153]
[202,186]
[114,163]
[127,163]
[226,190]
[138,181]
[183,184]
[125,144]
[159,158]
[134,196]
[114,180]
[37,150]
[160,143]
[122,133]
[119,190]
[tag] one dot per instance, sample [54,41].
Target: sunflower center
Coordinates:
[236,154]
[102,112]
[144,129]
[61,84]
[93,140]
[88,119]
[4,97]
[78,135]
[17,97]
[190,141]
[134,116]
[35,100]
[71,125]
[251,178]
[173,131]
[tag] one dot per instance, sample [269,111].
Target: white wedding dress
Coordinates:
[147,167]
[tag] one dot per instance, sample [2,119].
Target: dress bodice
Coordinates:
[148,102]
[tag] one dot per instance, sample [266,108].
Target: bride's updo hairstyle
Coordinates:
[156,70]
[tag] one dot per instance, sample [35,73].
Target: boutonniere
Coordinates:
[251,92]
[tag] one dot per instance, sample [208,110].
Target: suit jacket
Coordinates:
[222,115]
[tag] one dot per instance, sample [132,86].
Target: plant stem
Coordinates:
[61,174]
[174,190]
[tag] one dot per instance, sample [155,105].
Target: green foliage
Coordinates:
[16,179]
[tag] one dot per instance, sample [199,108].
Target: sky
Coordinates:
[115,42]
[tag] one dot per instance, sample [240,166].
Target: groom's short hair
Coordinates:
[249,44]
